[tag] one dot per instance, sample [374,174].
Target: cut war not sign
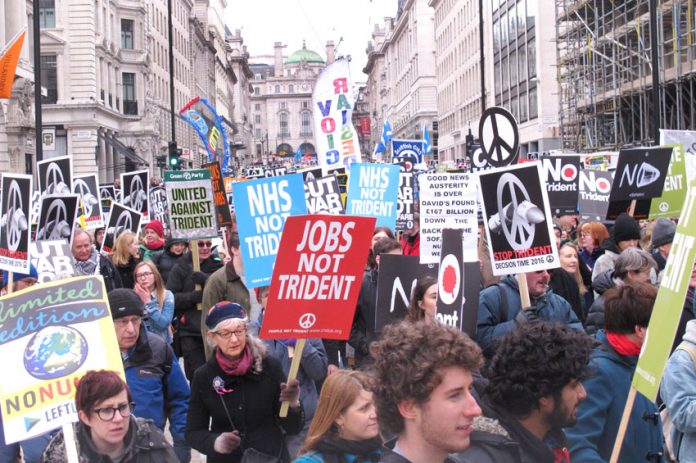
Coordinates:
[262,206]
[317,277]
[518,219]
[190,198]
[53,260]
[447,200]
[373,190]
[222,208]
[14,222]
[404,211]
[51,335]
[159,210]
[323,196]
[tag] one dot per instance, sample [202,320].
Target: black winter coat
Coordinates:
[363,331]
[165,260]
[253,404]
[180,282]
[595,316]
[112,278]
[126,272]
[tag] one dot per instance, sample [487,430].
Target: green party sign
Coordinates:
[669,303]
[669,205]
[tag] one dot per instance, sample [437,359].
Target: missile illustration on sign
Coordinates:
[528,212]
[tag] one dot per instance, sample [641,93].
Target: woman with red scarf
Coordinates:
[241,388]
[627,314]
[153,239]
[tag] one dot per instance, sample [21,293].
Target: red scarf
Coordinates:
[561,455]
[154,245]
[623,345]
[236,367]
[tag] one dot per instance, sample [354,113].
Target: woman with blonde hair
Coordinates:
[125,256]
[159,301]
[344,428]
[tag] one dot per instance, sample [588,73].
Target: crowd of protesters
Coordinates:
[542,383]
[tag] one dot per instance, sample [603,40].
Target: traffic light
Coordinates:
[174,156]
[469,144]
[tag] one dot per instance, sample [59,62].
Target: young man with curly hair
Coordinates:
[534,390]
[423,387]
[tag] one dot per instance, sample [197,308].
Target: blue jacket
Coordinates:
[592,438]
[678,390]
[159,319]
[493,324]
[149,366]
[318,457]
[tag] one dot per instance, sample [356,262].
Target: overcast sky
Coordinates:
[264,22]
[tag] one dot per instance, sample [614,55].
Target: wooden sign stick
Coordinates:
[623,425]
[10,282]
[196,265]
[524,290]
[632,207]
[292,374]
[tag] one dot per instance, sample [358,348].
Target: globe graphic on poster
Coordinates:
[55,351]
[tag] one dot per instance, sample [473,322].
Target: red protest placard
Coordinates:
[317,277]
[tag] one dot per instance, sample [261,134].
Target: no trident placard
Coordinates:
[518,219]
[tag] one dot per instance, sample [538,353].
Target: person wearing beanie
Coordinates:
[236,395]
[663,232]
[153,240]
[159,388]
[625,234]
[20,281]
[166,259]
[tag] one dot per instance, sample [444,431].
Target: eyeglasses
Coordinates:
[228,334]
[205,244]
[143,275]
[108,413]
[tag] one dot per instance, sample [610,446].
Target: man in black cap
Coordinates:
[158,386]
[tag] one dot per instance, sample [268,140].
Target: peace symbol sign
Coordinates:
[88,199]
[55,183]
[15,220]
[137,195]
[56,226]
[499,136]
[307,320]
[106,193]
[123,222]
[519,227]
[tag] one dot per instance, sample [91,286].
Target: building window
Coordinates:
[531,59]
[258,133]
[130,105]
[257,107]
[257,119]
[283,105]
[283,132]
[127,33]
[49,78]
[306,127]
[256,91]
[47,14]
[277,88]
[291,88]
[305,104]
[533,110]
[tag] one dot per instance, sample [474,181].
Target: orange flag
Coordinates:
[8,64]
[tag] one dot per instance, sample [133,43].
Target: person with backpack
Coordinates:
[678,391]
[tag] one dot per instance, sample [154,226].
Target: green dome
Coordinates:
[305,55]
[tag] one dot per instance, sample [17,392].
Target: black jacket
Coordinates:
[186,296]
[253,404]
[363,331]
[595,316]
[165,260]
[112,278]
[126,273]
[389,456]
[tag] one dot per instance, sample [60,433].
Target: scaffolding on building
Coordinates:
[605,71]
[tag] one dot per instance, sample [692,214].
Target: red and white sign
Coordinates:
[317,277]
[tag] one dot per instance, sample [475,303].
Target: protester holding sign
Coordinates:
[19,280]
[88,261]
[236,395]
[612,364]
[500,308]
[410,239]
[108,430]
[125,256]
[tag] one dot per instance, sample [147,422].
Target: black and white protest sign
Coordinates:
[404,210]
[191,204]
[53,260]
[134,186]
[222,208]
[158,207]
[397,277]
[594,186]
[323,196]
[311,174]
[15,208]
[57,217]
[107,192]
[640,173]
[55,176]
[499,136]
[453,308]
[447,200]
[641,210]
[518,219]
[89,206]
[121,219]
[562,183]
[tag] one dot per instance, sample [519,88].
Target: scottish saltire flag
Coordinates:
[298,156]
[387,135]
[427,144]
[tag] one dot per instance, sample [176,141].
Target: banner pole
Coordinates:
[292,374]
[70,443]
[10,282]
[196,265]
[632,208]
[623,425]
[524,290]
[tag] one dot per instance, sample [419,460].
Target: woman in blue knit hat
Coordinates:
[19,280]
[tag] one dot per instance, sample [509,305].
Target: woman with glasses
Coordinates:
[107,431]
[236,396]
[159,302]
[125,256]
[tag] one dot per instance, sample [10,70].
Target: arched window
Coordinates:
[277,88]
[291,88]
[306,127]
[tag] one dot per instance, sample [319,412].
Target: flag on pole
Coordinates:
[427,144]
[387,135]
[298,156]
[9,57]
